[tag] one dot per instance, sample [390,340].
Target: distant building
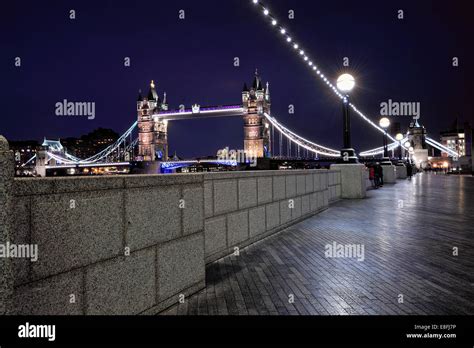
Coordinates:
[417,135]
[33,154]
[89,144]
[23,150]
[417,139]
[457,139]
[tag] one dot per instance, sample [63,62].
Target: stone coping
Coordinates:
[263,173]
[51,185]
[54,185]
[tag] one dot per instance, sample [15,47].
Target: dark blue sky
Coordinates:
[192,60]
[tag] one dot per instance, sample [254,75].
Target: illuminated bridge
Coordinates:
[264,135]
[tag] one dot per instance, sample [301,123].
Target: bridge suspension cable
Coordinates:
[441,147]
[111,148]
[316,70]
[69,159]
[300,141]
[289,135]
[380,150]
[396,144]
[31,159]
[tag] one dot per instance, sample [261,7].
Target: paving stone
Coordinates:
[279,188]
[324,181]
[331,179]
[147,227]
[208,199]
[273,215]
[309,183]
[285,211]
[300,185]
[20,235]
[215,235]
[122,286]
[313,201]
[225,196]
[317,181]
[265,190]
[290,186]
[237,228]
[193,212]
[180,264]
[247,193]
[296,211]
[407,262]
[51,296]
[305,204]
[67,240]
[257,221]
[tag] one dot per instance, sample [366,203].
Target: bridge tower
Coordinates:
[41,161]
[152,134]
[417,138]
[256,102]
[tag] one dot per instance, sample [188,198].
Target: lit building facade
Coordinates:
[256,101]
[457,139]
[153,131]
[152,134]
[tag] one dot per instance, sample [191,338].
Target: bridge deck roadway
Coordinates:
[408,231]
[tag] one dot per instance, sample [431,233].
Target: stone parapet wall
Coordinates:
[242,208]
[136,244]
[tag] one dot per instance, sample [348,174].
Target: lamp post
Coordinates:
[345,83]
[385,123]
[408,145]
[399,137]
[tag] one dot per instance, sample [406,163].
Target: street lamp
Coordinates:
[385,123]
[399,137]
[345,83]
[407,146]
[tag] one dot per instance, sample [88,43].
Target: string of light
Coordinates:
[286,130]
[111,148]
[441,147]
[316,70]
[292,137]
[380,150]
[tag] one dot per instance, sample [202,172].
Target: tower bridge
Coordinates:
[264,136]
[260,125]
[154,115]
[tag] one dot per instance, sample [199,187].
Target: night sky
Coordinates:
[192,60]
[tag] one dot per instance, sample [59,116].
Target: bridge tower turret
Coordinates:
[41,161]
[417,138]
[267,140]
[152,133]
[256,102]
[160,128]
[145,129]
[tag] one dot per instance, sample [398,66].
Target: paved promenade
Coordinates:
[408,231]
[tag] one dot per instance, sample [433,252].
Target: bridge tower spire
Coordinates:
[256,128]
[152,134]
[145,129]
